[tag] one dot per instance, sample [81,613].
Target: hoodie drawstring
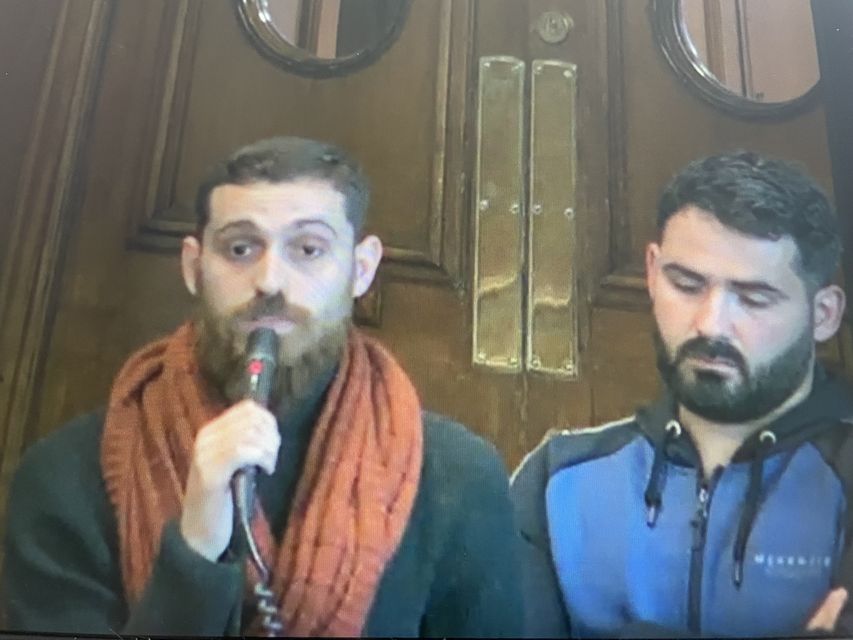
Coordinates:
[658,475]
[750,508]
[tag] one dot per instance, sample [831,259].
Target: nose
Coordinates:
[270,274]
[713,314]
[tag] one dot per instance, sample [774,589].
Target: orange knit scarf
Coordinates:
[352,502]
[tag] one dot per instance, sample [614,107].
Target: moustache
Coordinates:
[272,307]
[712,350]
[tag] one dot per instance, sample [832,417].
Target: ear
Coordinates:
[652,258]
[368,255]
[828,309]
[191,263]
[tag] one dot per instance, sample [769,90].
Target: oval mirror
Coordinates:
[321,38]
[750,57]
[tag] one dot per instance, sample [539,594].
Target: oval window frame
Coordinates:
[271,44]
[681,56]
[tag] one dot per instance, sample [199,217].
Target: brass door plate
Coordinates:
[552,333]
[498,216]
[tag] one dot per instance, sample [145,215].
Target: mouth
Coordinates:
[715,364]
[280,325]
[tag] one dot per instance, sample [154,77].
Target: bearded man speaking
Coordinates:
[372,516]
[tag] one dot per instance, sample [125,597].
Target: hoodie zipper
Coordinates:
[699,523]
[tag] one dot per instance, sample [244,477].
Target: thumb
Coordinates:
[826,616]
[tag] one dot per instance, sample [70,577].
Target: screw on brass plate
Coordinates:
[484,204]
[569,73]
[569,367]
[481,357]
[537,68]
[569,213]
[487,64]
[515,208]
[537,209]
[535,362]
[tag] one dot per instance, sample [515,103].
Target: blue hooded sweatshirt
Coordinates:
[623,534]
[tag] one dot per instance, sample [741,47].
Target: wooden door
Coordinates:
[166,87]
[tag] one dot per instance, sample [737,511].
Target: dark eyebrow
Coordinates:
[237,225]
[676,269]
[757,286]
[310,221]
[743,286]
[248,225]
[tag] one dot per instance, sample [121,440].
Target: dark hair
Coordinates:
[283,159]
[765,198]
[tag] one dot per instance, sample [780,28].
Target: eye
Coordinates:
[755,300]
[687,286]
[308,249]
[311,251]
[242,249]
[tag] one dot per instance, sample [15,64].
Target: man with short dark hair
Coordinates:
[372,517]
[721,509]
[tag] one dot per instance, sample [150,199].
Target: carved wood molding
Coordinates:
[159,226]
[625,290]
[163,222]
[620,232]
[623,286]
[29,276]
[833,21]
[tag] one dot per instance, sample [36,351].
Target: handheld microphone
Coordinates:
[260,369]
[259,372]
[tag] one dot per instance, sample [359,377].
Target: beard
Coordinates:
[724,400]
[307,352]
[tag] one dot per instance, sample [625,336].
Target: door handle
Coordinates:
[498,290]
[551,324]
[525,313]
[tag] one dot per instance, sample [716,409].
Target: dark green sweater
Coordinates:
[454,573]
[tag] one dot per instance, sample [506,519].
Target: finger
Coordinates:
[216,458]
[826,617]
[255,416]
[249,424]
[246,454]
[244,410]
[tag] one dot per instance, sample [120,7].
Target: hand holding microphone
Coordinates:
[244,436]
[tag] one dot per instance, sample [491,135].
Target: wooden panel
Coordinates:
[621,365]
[26,37]
[833,21]
[26,33]
[421,234]
[40,217]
